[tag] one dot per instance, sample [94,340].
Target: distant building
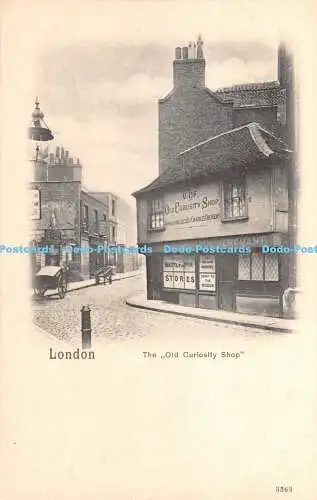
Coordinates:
[223,182]
[94,233]
[67,217]
[122,230]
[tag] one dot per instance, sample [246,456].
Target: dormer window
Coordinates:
[156,214]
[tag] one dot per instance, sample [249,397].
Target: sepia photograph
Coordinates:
[154,264]
[213,232]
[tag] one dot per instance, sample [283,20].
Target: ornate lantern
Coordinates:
[39,130]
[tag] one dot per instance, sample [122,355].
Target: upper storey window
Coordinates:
[234,200]
[156,214]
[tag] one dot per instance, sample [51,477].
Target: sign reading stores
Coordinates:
[191,207]
[179,272]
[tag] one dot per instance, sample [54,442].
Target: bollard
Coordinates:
[110,279]
[85,327]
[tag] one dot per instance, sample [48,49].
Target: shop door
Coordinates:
[226,282]
[93,261]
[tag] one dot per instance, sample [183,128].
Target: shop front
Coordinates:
[58,251]
[237,276]
[231,192]
[96,257]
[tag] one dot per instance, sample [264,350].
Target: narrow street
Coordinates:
[113,320]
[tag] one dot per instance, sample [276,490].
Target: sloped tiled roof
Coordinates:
[250,86]
[241,146]
[258,94]
[251,94]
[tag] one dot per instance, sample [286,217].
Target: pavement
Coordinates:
[138,299]
[114,322]
[78,285]
[263,322]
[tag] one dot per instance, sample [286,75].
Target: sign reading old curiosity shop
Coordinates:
[192,208]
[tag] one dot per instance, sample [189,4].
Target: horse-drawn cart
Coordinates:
[50,278]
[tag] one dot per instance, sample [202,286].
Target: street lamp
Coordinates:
[39,130]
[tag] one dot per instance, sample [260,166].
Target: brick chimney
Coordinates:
[189,65]
[284,66]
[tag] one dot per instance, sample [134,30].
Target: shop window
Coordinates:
[85,218]
[96,222]
[156,216]
[271,268]
[258,267]
[103,229]
[234,202]
[207,273]
[179,272]
[244,270]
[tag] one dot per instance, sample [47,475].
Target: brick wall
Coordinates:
[189,72]
[112,220]
[191,113]
[94,205]
[62,200]
[189,116]
[57,167]
[267,117]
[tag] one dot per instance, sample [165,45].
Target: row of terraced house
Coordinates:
[67,216]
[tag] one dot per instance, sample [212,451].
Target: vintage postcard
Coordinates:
[158,250]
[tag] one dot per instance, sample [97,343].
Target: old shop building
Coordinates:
[222,182]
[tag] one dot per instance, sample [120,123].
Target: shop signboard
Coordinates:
[179,272]
[207,273]
[192,208]
[35,204]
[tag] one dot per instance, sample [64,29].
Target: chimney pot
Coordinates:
[178,53]
[200,43]
[189,70]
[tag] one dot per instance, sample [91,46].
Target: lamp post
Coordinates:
[40,133]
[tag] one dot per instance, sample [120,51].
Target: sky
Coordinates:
[100,74]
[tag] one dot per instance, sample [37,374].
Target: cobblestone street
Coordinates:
[113,320]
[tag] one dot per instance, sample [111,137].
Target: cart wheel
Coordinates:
[62,288]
